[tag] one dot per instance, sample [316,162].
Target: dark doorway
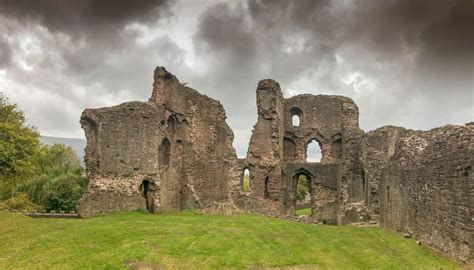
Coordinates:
[147,190]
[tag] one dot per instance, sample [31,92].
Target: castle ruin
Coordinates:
[175,152]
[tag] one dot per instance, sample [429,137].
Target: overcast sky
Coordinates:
[407,63]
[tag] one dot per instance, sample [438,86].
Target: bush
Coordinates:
[19,202]
[64,194]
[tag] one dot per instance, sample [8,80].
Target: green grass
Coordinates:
[189,240]
[303,212]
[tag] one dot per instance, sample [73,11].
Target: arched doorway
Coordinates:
[147,190]
[303,193]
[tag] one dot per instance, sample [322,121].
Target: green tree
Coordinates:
[302,188]
[65,193]
[18,142]
[52,164]
[33,174]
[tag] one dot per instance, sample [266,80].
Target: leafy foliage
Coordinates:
[30,170]
[18,142]
[19,202]
[65,193]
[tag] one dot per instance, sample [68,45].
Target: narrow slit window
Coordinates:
[246,181]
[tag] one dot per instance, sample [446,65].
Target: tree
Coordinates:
[52,164]
[65,193]
[18,142]
[33,175]
[302,188]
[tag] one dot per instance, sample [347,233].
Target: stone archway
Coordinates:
[303,191]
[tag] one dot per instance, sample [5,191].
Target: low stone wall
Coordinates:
[44,214]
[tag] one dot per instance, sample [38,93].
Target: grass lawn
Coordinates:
[303,212]
[189,240]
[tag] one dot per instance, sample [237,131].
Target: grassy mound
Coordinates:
[189,240]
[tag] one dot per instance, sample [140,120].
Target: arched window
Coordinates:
[165,152]
[295,120]
[246,181]
[295,115]
[313,151]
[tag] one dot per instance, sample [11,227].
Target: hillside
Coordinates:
[189,240]
[76,144]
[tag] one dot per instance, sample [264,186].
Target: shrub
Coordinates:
[65,193]
[19,202]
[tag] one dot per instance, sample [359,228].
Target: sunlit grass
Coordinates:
[189,240]
[303,212]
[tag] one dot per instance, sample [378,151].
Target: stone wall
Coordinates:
[170,153]
[427,189]
[377,147]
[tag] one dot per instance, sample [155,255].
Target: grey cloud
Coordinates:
[5,52]
[404,62]
[85,16]
[82,55]
[400,60]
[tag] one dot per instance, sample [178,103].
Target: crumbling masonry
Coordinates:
[175,152]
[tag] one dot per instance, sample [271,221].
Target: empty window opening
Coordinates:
[295,116]
[147,190]
[295,121]
[303,195]
[266,191]
[165,152]
[313,151]
[246,181]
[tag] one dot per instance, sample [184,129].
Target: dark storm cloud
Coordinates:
[84,16]
[404,62]
[5,52]
[63,56]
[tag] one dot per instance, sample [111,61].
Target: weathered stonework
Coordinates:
[170,153]
[175,152]
[427,189]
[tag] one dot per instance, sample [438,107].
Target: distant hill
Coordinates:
[77,145]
